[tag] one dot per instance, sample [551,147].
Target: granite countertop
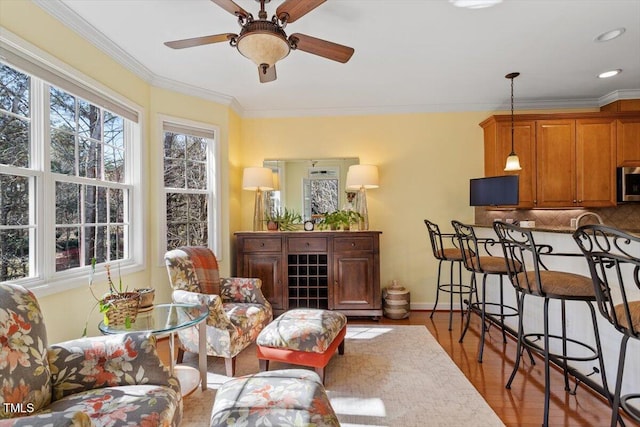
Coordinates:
[558,229]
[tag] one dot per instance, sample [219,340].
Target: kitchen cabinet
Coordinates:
[628,142]
[576,162]
[332,270]
[567,159]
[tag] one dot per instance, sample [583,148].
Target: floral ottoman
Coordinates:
[285,397]
[303,336]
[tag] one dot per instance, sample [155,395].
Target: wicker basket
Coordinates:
[122,306]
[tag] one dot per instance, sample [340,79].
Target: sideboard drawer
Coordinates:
[345,244]
[307,244]
[262,245]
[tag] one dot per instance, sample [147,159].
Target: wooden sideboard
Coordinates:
[335,270]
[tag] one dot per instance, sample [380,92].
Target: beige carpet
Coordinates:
[389,376]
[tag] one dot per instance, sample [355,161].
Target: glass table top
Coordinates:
[162,319]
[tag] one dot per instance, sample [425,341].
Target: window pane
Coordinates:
[116,238]
[14,141]
[176,235]
[67,203]
[113,130]
[197,207]
[196,148]
[62,110]
[95,243]
[113,164]
[174,173]
[63,152]
[90,158]
[67,248]
[177,208]
[116,205]
[14,91]
[196,175]
[89,120]
[174,145]
[198,234]
[14,254]
[14,199]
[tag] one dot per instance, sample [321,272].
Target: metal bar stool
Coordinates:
[447,253]
[472,250]
[531,278]
[614,264]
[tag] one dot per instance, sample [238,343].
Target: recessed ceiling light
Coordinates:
[608,74]
[610,35]
[475,4]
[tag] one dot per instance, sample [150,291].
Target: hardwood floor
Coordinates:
[523,404]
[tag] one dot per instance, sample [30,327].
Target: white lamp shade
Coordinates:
[257,179]
[513,163]
[359,176]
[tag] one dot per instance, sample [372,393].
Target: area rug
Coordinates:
[389,376]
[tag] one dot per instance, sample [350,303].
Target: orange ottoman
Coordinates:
[303,336]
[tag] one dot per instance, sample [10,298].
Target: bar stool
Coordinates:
[452,254]
[614,265]
[487,265]
[531,278]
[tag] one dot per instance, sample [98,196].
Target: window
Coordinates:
[189,158]
[67,176]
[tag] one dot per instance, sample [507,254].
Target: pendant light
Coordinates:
[513,162]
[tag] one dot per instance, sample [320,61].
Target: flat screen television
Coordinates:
[494,191]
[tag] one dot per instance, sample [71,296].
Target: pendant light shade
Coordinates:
[513,162]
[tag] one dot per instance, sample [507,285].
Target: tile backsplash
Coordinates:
[624,216]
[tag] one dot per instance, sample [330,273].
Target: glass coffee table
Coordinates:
[166,319]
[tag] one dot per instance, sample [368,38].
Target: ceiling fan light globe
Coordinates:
[263,48]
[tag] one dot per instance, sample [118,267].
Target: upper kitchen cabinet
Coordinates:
[628,141]
[576,162]
[497,146]
[567,159]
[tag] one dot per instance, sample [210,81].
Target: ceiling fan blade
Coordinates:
[293,10]
[324,48]
[267,74]
[231,7]
[199,41]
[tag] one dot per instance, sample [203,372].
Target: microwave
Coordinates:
[628,183]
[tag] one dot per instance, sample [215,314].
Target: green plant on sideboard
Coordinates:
[340,219]
[285,220]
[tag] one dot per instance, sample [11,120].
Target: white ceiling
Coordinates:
[410,55]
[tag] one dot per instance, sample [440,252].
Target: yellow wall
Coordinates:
[425,162]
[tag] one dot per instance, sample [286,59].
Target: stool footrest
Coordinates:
[539,336]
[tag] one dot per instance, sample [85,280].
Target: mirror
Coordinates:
[309,187]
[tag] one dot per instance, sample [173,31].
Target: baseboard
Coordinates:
[442,306]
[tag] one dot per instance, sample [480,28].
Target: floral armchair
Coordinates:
[115,380]
[237,308]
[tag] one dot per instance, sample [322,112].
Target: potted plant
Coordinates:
[119,305]
[340,219]
[284,220]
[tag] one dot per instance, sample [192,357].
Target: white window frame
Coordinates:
[213,182]
[46,280]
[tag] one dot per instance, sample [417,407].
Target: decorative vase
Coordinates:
[272,226]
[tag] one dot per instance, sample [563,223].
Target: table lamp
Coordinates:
[361,178]
[257,179]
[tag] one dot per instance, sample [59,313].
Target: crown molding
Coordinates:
[424,108]
[617,95]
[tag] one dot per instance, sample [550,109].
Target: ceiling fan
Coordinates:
[264,41]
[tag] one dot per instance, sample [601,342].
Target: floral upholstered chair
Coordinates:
[237,308]
[115,380]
